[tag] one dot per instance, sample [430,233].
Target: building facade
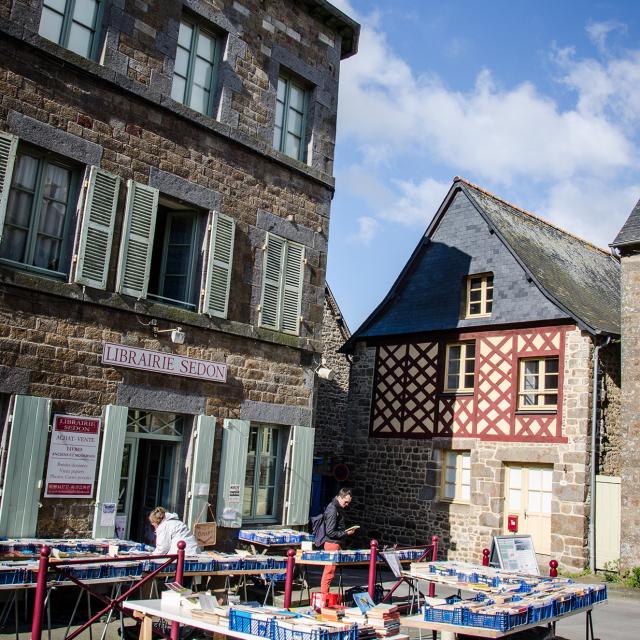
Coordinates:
[470,401]
[166,179]
[627,243]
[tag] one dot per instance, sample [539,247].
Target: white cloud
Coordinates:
[367,229]
[417,202]
[496,133]
[598,32]
[591,208]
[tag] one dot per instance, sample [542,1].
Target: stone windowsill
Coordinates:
[183,317]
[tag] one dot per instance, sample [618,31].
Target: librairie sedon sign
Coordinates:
[120,355]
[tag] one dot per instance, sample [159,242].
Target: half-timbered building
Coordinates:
[471,406]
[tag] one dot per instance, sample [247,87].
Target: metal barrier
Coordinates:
[112,604]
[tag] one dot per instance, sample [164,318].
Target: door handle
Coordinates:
[525,515]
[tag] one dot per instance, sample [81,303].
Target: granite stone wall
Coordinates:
[630,413]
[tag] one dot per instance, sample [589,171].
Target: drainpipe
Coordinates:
[594,443]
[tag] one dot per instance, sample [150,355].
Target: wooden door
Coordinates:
[528,491]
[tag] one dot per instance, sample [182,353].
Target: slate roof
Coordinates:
[630,232]
[581,279]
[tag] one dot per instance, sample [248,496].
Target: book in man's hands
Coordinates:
[353,528]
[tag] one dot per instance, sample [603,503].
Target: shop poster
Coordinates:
[73,456]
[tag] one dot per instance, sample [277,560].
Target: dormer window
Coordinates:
[479,295]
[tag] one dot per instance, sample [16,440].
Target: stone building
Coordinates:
[470,401]
[165,189]
[331,408]
[627,243]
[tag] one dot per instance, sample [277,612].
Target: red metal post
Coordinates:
[485,557]
[553,568]
[41,591]
[373,561]
[434,557]
[288,581]
[175,626]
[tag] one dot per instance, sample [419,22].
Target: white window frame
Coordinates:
[461,374]
[539,392]
[459,462]
[486,295]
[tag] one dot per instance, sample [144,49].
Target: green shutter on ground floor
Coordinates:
[205,432]
[300,467]
[113,434]
[23,478]
[233,463]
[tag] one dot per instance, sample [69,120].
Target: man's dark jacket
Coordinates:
[334,522]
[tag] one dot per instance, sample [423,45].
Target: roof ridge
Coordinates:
[531,215]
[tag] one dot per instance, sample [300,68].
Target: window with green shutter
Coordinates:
[219,266]
[134,262]
[196,67]
[39,207]
[73,24]
[283,277]
[291,115]
[96,230]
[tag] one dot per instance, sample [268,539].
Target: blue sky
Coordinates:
[536,101]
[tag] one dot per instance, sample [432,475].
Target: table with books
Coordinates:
[345,558]
[278,539]
[248,622]
[504,602]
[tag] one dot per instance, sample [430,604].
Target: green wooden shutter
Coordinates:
[96,233]
[137,240]
[218,274]
[205,432]
[300,468]
[233,463]
[113,433]
[292,287]
[272,282]
[8,146]
[22,482]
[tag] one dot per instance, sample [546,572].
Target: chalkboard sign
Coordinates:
[514,553]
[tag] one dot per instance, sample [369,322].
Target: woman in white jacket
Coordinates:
[169,531]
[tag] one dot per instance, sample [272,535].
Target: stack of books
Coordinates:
[353,615]
[334,614]
[385,620]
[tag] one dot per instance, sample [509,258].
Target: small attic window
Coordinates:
[479,295]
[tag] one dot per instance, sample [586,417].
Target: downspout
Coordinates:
[594,443]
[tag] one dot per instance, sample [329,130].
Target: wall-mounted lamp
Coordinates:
[177,334]
[324,372]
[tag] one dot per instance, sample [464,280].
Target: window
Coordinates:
[283,275]
[174,277]
[456,476]
[479,295]
[291,109]
[41,201]
[263,473]
[460,369]
[72,24]
[195,68]
[538,384]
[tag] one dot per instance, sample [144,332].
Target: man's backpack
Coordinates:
[318,529]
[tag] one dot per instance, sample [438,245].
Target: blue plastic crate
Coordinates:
[579,601]
[125,570]
[244,622]
[81,572]
[539,614]
[282,633]
[497,621]
[447,616]
[15,576]
[599,594]
[562,606]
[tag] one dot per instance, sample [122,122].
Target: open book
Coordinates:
[353,528]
